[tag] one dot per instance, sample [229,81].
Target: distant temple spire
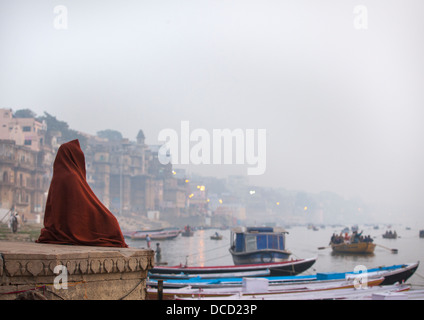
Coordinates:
[140,137]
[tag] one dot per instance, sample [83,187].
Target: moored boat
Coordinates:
[291,267]
[391,274]
[367,293]
[258,245]
[259,286]
[158,234]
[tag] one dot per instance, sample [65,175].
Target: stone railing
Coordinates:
[67,272]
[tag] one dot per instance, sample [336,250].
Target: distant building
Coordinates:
[25,178]
[24,131]
[129,179]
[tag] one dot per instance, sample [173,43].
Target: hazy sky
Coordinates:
[342,107]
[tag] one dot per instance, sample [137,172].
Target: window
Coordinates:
[28,142]
[26,129]
[250,243]
[273,241]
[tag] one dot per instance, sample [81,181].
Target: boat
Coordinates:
[421,233]
[290,267]
[258,286]
[391,274]
[366,293]
[216,236]
[187,232]
[390,235]
[258,245]
[358,247]
[157,234]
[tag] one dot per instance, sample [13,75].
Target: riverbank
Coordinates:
[27,232]
[31,231]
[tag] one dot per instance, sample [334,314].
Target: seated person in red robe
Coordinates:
[74,215]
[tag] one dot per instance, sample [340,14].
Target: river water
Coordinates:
[200,250]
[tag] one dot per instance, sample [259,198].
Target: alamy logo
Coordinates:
[361,277]
[60,21]
[224,146]
[60,281]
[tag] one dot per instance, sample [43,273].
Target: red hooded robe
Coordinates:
[74,215]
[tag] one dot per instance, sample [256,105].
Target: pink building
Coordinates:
[24,131]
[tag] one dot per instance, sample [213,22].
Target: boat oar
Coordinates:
[392,250]
[322,248]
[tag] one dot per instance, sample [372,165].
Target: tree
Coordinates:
[111,135]
[61,126]
[24,113]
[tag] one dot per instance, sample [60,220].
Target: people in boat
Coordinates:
[73,214]
[390,234]
[368,239]
[337,239]
[354,238]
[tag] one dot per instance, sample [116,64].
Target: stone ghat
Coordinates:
[67,272]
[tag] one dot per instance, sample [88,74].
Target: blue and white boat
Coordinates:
[392,274]
[258,245]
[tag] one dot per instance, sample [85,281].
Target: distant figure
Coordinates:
[158,252]
[14,222]
[148,241]
[73,214]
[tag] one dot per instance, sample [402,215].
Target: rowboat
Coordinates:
[365,293]
[183,276]
[359,247]
[158,234]
[216,237]
[258,286]
[390,235]
[289,267]
[391,274]
[258,245]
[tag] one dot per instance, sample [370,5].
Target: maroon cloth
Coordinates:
[74,215]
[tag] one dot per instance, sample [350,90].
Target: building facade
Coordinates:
[125,175]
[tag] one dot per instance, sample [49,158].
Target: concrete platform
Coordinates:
[66,272]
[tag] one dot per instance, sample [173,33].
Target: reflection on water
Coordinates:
[303,243]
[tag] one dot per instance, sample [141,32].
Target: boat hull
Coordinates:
[161,234]
[404,274]
[266,290]
[285,268]
[359,248]
[216,237]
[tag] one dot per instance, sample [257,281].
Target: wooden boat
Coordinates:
[391,274]
[358,247]
[258,286]
[258,245]
[291,267]
[216,237]
[367,293]
[390,235]
[187,232]
[158,234]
